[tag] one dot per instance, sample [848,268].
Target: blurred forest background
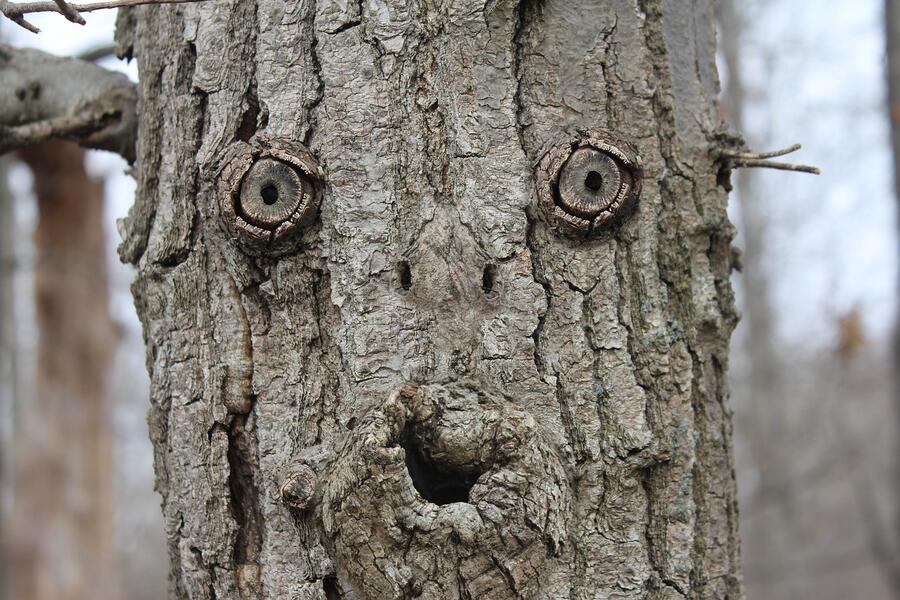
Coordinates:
[813,364]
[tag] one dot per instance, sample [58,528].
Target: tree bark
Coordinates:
[437,386]
[62,516]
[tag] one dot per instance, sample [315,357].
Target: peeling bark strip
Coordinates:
[567,434]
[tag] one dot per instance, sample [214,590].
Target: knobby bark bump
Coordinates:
[396,354]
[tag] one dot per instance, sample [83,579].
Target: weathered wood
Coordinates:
[566,433]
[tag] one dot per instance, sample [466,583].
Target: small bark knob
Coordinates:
[299,487]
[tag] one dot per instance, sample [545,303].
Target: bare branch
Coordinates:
[16,12]
[69,127]
[98,53]
[44,96]
[18,20]
[735,160]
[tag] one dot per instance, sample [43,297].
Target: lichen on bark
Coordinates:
[490,408]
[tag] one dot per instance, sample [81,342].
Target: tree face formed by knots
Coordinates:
[436,299]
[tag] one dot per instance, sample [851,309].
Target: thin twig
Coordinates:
[15,12]
[770,164]
[773,154]
[5,9]
[735,160]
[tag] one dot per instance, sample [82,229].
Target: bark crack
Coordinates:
[313,107]
[518,62]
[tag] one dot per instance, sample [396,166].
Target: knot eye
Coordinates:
[588,182]
[268,192]
[272,191]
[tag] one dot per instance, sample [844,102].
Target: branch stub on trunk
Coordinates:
[269,191]
[587,182]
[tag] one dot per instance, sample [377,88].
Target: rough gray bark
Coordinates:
[567,434]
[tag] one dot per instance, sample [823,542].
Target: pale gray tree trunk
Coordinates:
[8,370]
[568,434]
[761,411]
[61,523]
[892,37]
[757,314]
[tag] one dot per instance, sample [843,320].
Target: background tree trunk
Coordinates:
[8,371]
[892,36]
[572,393]
[769,423]
[62,516]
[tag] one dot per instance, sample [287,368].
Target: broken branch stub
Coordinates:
[588,182]
[299,487]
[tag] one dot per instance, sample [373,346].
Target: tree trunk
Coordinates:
[62,516]
[8,369]
[757,315]
[402,344]
[892,37]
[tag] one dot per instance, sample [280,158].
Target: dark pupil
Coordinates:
[593,181]
[269,194]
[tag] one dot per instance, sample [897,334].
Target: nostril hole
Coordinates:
[269,194]
[404,276]
[332,588]
[435,483]
[489,281]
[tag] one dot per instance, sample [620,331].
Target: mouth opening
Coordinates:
[438,484]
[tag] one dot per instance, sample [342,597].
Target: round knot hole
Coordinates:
[583,184]
[593,181]
[269,194]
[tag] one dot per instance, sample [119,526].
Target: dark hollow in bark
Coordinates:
[440,484]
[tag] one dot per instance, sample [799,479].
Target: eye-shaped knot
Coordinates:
[587,182]
[268,191]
